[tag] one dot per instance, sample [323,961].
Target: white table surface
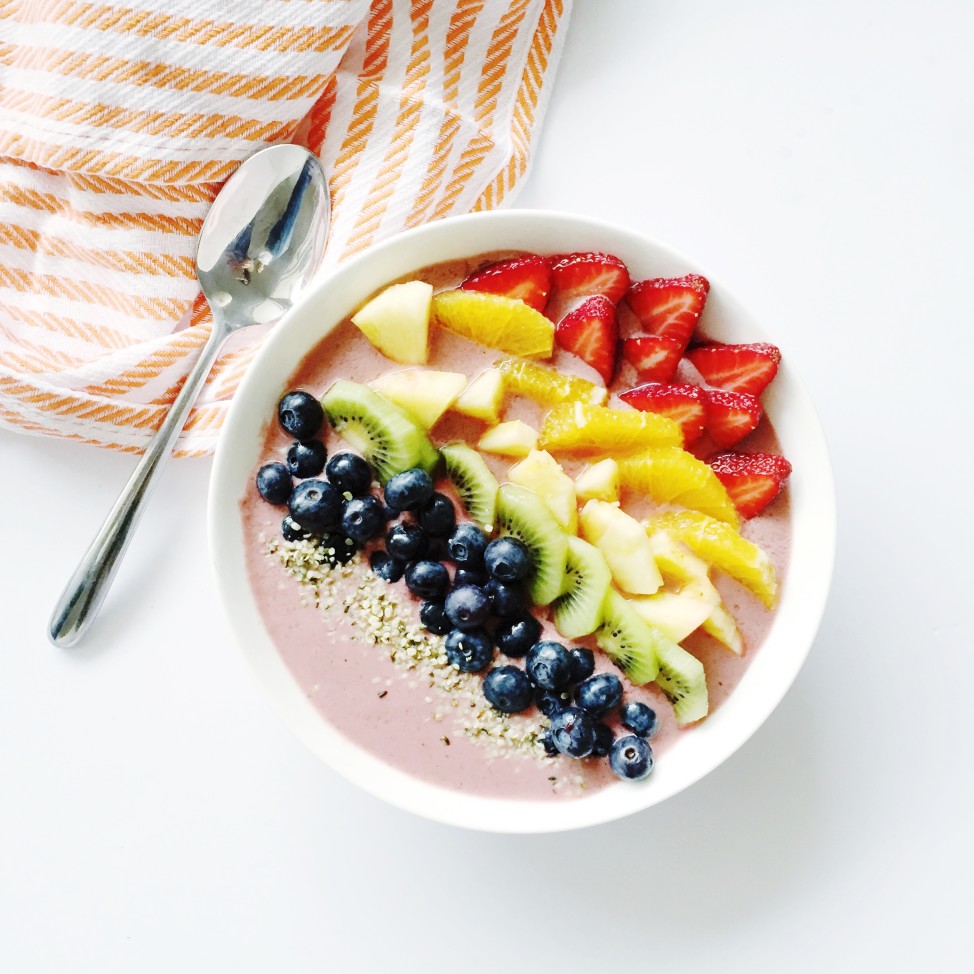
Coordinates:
[156,816]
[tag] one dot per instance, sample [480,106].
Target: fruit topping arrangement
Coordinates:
[601,508]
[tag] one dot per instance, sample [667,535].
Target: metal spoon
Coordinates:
[260,244]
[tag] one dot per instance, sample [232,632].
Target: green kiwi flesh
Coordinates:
[475,485]
[628,640]
[578,610]
[681,677]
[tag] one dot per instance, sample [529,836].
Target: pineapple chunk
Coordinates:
[483,397]
[599,481]
[675,560]
[542,473]
[623,541]
[512,439]
[396,321]
[424,393]
[719,622]
[676,614]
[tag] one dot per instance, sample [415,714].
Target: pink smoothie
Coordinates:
[354,643]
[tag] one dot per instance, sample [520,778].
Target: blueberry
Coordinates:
[274,483]
[470,650]
[466,546]
[583,664]
[550,702]
[427,579]
[362,518]
[306,458]
[385,566]
[599,694]
[604,736]
[549,665]
[466,576]
[631,758]
[349,473]
[508,559]
[573,732]
[300,414]
[507,689]
[433,616]
[640,719]
[338,550]
[467,607]
[406,541]
[516,636]
[409,490]
[548,744]
[438,516]
[506,598]
[315,505]
[293,531]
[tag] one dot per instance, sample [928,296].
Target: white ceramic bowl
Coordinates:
[337,294]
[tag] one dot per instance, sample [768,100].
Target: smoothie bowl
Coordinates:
[522,522]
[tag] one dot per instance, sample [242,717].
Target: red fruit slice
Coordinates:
[591,332]
[669,306]
[654,357]
[753,480]
[584,274]
[527,278]
[684,404]
[730,416]
[737,368]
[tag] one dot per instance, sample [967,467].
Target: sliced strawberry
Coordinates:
[684,404]
[527,278]
[654,357]
[669,306]
[591,332]
[737,368]
[730,416]
[753,480]
[584,274]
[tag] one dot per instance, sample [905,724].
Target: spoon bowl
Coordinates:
[260,244]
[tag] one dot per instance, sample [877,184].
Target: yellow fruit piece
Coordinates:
[580,428]
[424,393]
[599,481]
[541,472]
[718,544]
[547,387]
[483,397]
[675,614]
[396,321]
[673,476]
[623,542]
[506,324]
[719,622]
[675,560]
[511,439]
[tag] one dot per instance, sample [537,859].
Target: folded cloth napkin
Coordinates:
[120,121]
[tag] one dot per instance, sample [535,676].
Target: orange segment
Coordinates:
[575,427]
[506,324]
[717,543]
[673,476]
[547,387]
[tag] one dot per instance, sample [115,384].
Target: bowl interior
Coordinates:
[337,294]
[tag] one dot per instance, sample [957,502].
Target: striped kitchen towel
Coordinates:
[120,121]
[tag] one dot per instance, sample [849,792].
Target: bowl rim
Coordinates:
[705,747]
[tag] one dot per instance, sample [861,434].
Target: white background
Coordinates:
[154,814]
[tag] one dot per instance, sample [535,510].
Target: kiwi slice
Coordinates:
[629,641]
[681,677]
[522,514]
[474,483]
[578,610]
[379,429]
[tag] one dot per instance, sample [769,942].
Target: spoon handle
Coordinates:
[88,586]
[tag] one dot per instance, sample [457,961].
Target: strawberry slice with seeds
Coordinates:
[683,403]
[527,278]
[730,416]
[753,480]
[588,273]
[737,368]
[654,357]
[669,306]
[591,332]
